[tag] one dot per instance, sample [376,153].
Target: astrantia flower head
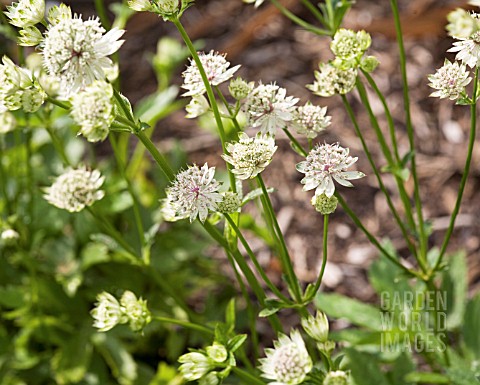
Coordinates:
[468,50]
[92,109]
[25,13]
[136,311]
[337,377]
[216,69]
[289,363]
[316,327]
[250,156]
[239,88]
[325,163]
[57,13]
[310,120]
[461,23]
[268,108]
[75,189]
[195,365]
[330,80]
[75,51]
[450,80]
[230,203]
[194,192]
[107,312]
[349,46]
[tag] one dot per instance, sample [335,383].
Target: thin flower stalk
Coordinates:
[287,262]
[295,142]
[254,259]
[185,324]
[233,115]
[406,101]
[324,259]
[314,11]
[466,171]
[377,175]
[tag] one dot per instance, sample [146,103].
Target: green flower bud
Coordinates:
[239,88]
[33,98]
[30,36]
[369,63]
[316,327]
[325,205]
[326,346]
[136,311]
[230,204]
[217,352]
[210,379]
[336,378]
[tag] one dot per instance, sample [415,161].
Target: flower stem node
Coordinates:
[337,377]
[316,327]
[239,88]
[230,204]
[325,205]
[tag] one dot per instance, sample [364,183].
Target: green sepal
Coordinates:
[235,342]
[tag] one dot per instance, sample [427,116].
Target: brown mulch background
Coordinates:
[270,48]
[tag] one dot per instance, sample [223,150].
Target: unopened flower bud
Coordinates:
[325,205]
[369,63]
[230,204]
[210,379]
[316,327]
[107,312]
[30,36]
[217,352]
[58,13]
[326,346]
[239,88]
[337,377]
[33,98]
[136,311]
[141,5]
[26,12]
[195,365]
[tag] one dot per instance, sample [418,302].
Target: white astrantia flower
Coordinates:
[289,363]
[7,122]
[75,189]
[75,51]
[250,156]
[26,13]
[216,69]
[136,311]
[468,50]
[194,192]
[325,163]
[310,120]
[92,109]
[349,46]
[330,80]
[461,23]
[195,365]
[141,5]
[268,108]
[450,80]
[107,312]
[197,106]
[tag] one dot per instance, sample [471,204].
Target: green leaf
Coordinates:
[255,194]
[339,306]
[364,368]
[402,365]
[461,376]
[236,342]
[471,321]
[12,297]
[407,158]
[267,312]
[424,377]
[230,314]
[454,286]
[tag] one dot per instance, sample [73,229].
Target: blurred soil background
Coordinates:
[270,48]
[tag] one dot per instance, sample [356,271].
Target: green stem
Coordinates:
[209,90]
[295,142]
[229,109]
[58,103]
[247,377]
[302,23]
[136,203]
[358,131]
[466,171]
[372,239]
[161,161]
[3,179]
[57,144]
[314,10]
[30,173]
[423,239]
[324,258]
[254,259]
[287,262]
[102,13]
[185,324]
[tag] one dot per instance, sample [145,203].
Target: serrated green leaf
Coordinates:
[364,368]
[471,321]
[339,306]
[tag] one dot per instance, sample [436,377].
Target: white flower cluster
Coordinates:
[109,312]
[330,80]
[289,363]
[75,189]
[92,109]
[450,80]
[325,163]
[250,156]
[194,192]
[461,24]
[269,108]
[18,89]
[26,13]
[310,120]
[165,8]
[349,47]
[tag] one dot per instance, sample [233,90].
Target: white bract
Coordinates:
[316,327]
[289,363]
[250,156]
[268,108]
[92,109]
[468,50]
[197,106]
[75,51]
[193,193]
[26,13]
[330,80]
[325,163]
[107,312]
[216,70]
[310,120]
[75,189]
[450,80]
